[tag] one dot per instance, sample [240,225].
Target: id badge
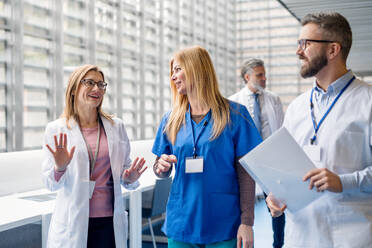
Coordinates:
[194,165]
[91,188]
[314,152]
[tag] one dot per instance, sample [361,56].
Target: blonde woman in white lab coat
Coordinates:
[87,160]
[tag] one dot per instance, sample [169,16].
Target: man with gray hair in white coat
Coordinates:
[267,113]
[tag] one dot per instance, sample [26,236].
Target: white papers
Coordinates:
[278,165]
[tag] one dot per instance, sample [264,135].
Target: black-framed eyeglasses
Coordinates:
[303,42]
[89,83]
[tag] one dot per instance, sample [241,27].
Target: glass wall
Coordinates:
[267,31]
[42,42]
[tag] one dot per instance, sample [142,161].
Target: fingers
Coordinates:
[239,243]
[50,149]
[317,177]
[134,163]
[64,140]
[60,143]
[325,179]
[72,151]
[55,141]
[172,158]
[137,165]
[310,174]
[165,163]
[142,170]
[169,158]
[274,206]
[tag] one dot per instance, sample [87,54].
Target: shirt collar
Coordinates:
[247,91]
[336,86]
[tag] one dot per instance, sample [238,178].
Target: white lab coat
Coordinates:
[337,220]
[271,107]
[69,223]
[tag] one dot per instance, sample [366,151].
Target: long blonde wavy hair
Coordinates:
[200,77]
[70,111]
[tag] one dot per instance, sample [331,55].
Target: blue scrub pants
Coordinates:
[223,244]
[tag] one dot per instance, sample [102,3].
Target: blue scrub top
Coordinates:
[204,207]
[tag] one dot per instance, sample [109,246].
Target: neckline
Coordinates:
[89,128]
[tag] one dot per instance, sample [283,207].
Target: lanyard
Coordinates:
[195,141]
[92,160]
[316,127]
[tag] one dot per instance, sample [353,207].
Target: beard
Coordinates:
[258,86]
[313,66]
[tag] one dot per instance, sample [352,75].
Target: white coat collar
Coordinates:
[248,92]
[107,125]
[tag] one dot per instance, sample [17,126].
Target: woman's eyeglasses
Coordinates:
[89,83]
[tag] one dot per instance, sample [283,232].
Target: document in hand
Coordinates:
[278,165]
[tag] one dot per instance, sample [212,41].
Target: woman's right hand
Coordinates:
[62,156]
[165,163]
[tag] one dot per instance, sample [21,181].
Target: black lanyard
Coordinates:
[317,126]
[195,141]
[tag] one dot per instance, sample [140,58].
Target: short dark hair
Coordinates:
[335,27]
[248,66]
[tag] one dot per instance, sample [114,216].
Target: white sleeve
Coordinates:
[279,112]
[361,179]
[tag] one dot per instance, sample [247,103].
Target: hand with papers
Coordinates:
[275,206]
[278,165]
[324,179]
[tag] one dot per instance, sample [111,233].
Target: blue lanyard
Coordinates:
[316,127]
[195,142]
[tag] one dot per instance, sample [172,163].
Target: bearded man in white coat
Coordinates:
[332,122]
[267,112]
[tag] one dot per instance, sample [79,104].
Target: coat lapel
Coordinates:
[109,134]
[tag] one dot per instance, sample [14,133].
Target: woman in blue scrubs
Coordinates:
[211,202]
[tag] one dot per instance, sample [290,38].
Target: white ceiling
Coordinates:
[359,15]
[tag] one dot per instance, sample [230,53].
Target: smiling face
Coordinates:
[314,57]
[179,77]
[90,97]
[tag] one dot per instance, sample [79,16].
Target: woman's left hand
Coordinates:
[245,236]
[135,171]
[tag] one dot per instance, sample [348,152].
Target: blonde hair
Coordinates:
[200,77]
[70,111]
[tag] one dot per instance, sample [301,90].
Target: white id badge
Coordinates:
[91,188]
[194,165]
[314,152]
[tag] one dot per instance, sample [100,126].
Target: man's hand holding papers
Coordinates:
[324,179]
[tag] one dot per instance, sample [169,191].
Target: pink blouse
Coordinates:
[102,202]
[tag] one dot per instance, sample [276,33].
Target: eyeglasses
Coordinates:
[303,42]
[89,83]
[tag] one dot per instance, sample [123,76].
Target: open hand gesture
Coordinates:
[62,156]
[135,171]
